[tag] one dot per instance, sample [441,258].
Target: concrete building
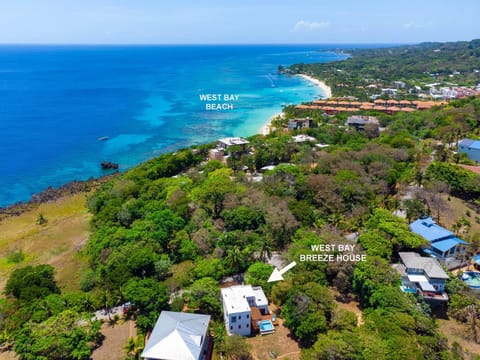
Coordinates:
[237,303]
[225,143]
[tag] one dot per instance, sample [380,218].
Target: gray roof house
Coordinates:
[178,336]
[422,275]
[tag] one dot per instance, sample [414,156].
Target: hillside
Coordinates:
[408,69]
[169,233]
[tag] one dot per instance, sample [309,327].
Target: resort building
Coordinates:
[298,124]
[303,138]
[244,308]
[220,153]
[359,122]
[422,275]
[443,244]
[216,154]
[225,143]
[179,336]
[471,148]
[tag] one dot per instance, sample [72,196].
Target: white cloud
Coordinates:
[303,25]
[412,25]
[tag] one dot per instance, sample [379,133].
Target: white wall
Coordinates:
[238,323]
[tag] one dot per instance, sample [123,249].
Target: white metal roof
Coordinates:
[177,336]
[417,278]
[229,141]
[426,286]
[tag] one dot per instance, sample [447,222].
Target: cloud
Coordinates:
[412,25]
[303,25]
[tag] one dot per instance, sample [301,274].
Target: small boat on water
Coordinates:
[103,138]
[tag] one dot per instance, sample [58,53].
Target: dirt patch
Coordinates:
[350,305]
[454,332]
[280,343]
[8,355]
[116,337]
[354,307]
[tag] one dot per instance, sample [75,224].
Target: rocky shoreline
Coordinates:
[52,194]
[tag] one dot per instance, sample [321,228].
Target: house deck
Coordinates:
[257,316]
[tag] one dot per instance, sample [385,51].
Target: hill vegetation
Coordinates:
[166,233]
[366,71]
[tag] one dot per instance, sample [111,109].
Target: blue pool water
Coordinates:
[472,279]
[265,326]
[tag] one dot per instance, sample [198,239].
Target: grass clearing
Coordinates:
[455,333]
[457,209]
[56,243]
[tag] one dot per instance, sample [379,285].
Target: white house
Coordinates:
[237,301]
[227,142]
[178,336]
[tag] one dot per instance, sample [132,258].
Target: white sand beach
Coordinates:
[267,127]
[327,92]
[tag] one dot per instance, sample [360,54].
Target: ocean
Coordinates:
[56,102]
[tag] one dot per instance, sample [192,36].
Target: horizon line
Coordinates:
[210,44]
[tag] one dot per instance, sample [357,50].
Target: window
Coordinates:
[239,326]
[233,319]
[247,316]
[248,325]
[231,327]
[239,317]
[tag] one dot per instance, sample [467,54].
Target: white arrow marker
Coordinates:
[277,274]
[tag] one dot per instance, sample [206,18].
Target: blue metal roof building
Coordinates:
[471,148]
[443,243]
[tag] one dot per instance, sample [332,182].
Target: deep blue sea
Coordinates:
[56,101]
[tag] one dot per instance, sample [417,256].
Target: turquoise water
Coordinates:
[473,280]
[265,325]
[56,101]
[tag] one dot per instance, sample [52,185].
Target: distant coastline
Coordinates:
[326,92]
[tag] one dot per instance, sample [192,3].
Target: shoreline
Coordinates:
[75,186]
[267,127]
[327,91]
[54,193]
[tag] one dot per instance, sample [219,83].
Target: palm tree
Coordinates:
[265,247]
[234,258]
[134,347]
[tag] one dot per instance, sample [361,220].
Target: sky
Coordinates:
[234,22]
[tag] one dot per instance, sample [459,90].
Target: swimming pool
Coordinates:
[472,279]
[266,326]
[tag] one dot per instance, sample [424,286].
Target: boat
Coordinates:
[103,138]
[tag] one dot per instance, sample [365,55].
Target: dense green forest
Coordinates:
[450,64]
[165,233]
